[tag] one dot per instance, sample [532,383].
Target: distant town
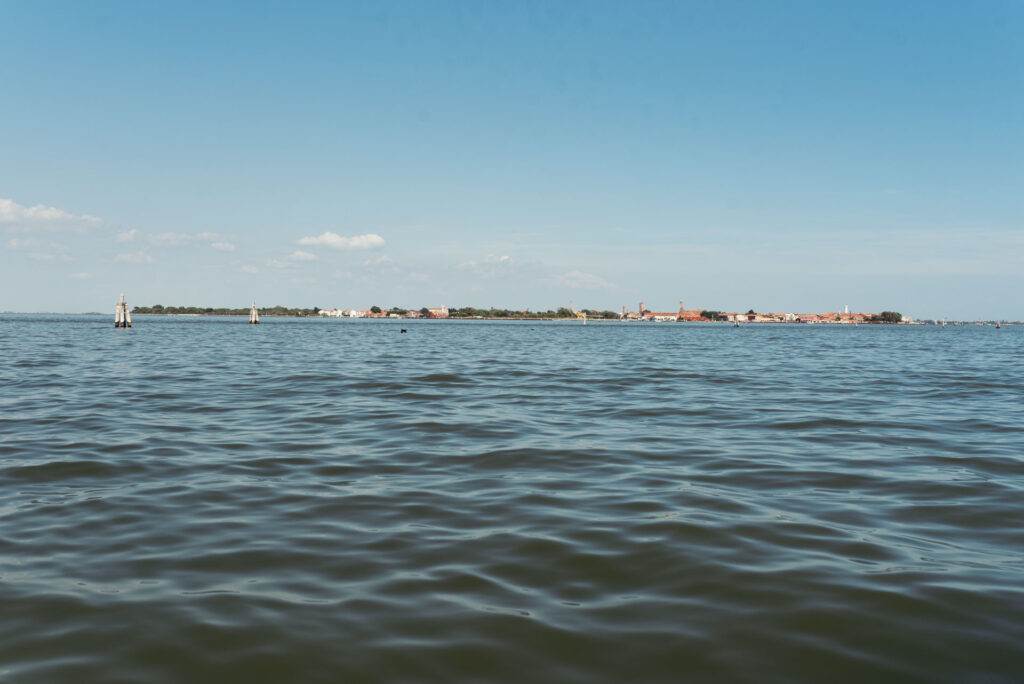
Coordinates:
[640,314]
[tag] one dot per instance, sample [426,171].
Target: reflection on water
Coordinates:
[307,500]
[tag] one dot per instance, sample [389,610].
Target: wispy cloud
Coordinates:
[127,236]
[140,257]
[491,266]
[576,279]
[22,243]
[289,262]
[80,276]
[335,241]
[170,239]
[249,269]
[179,239]
[49,256]
[51,252]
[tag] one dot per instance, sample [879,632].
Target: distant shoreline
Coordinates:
[536,318]
[915,323]
[561,313]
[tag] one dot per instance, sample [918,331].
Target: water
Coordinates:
[201,500]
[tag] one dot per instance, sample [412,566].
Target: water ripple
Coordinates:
[308,500]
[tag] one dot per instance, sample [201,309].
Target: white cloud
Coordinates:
[206,236]
[335,241]
[140,257]
[223,246]
[249,269]
[11,212]
[171,239]
[80,276]
[494,259]
[584,281]
[19,243]
[277,263]
[299,255]
[127,236]
[40,215]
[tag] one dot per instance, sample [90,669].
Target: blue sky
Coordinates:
[786,156]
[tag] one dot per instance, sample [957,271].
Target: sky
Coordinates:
[780,156]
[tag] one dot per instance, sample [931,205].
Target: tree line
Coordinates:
[224,311]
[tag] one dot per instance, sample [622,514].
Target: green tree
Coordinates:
[375,309]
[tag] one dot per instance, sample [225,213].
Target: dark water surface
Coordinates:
[201,500]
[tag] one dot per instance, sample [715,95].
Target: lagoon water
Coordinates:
[201,500]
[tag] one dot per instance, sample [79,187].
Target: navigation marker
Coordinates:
[122,317]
